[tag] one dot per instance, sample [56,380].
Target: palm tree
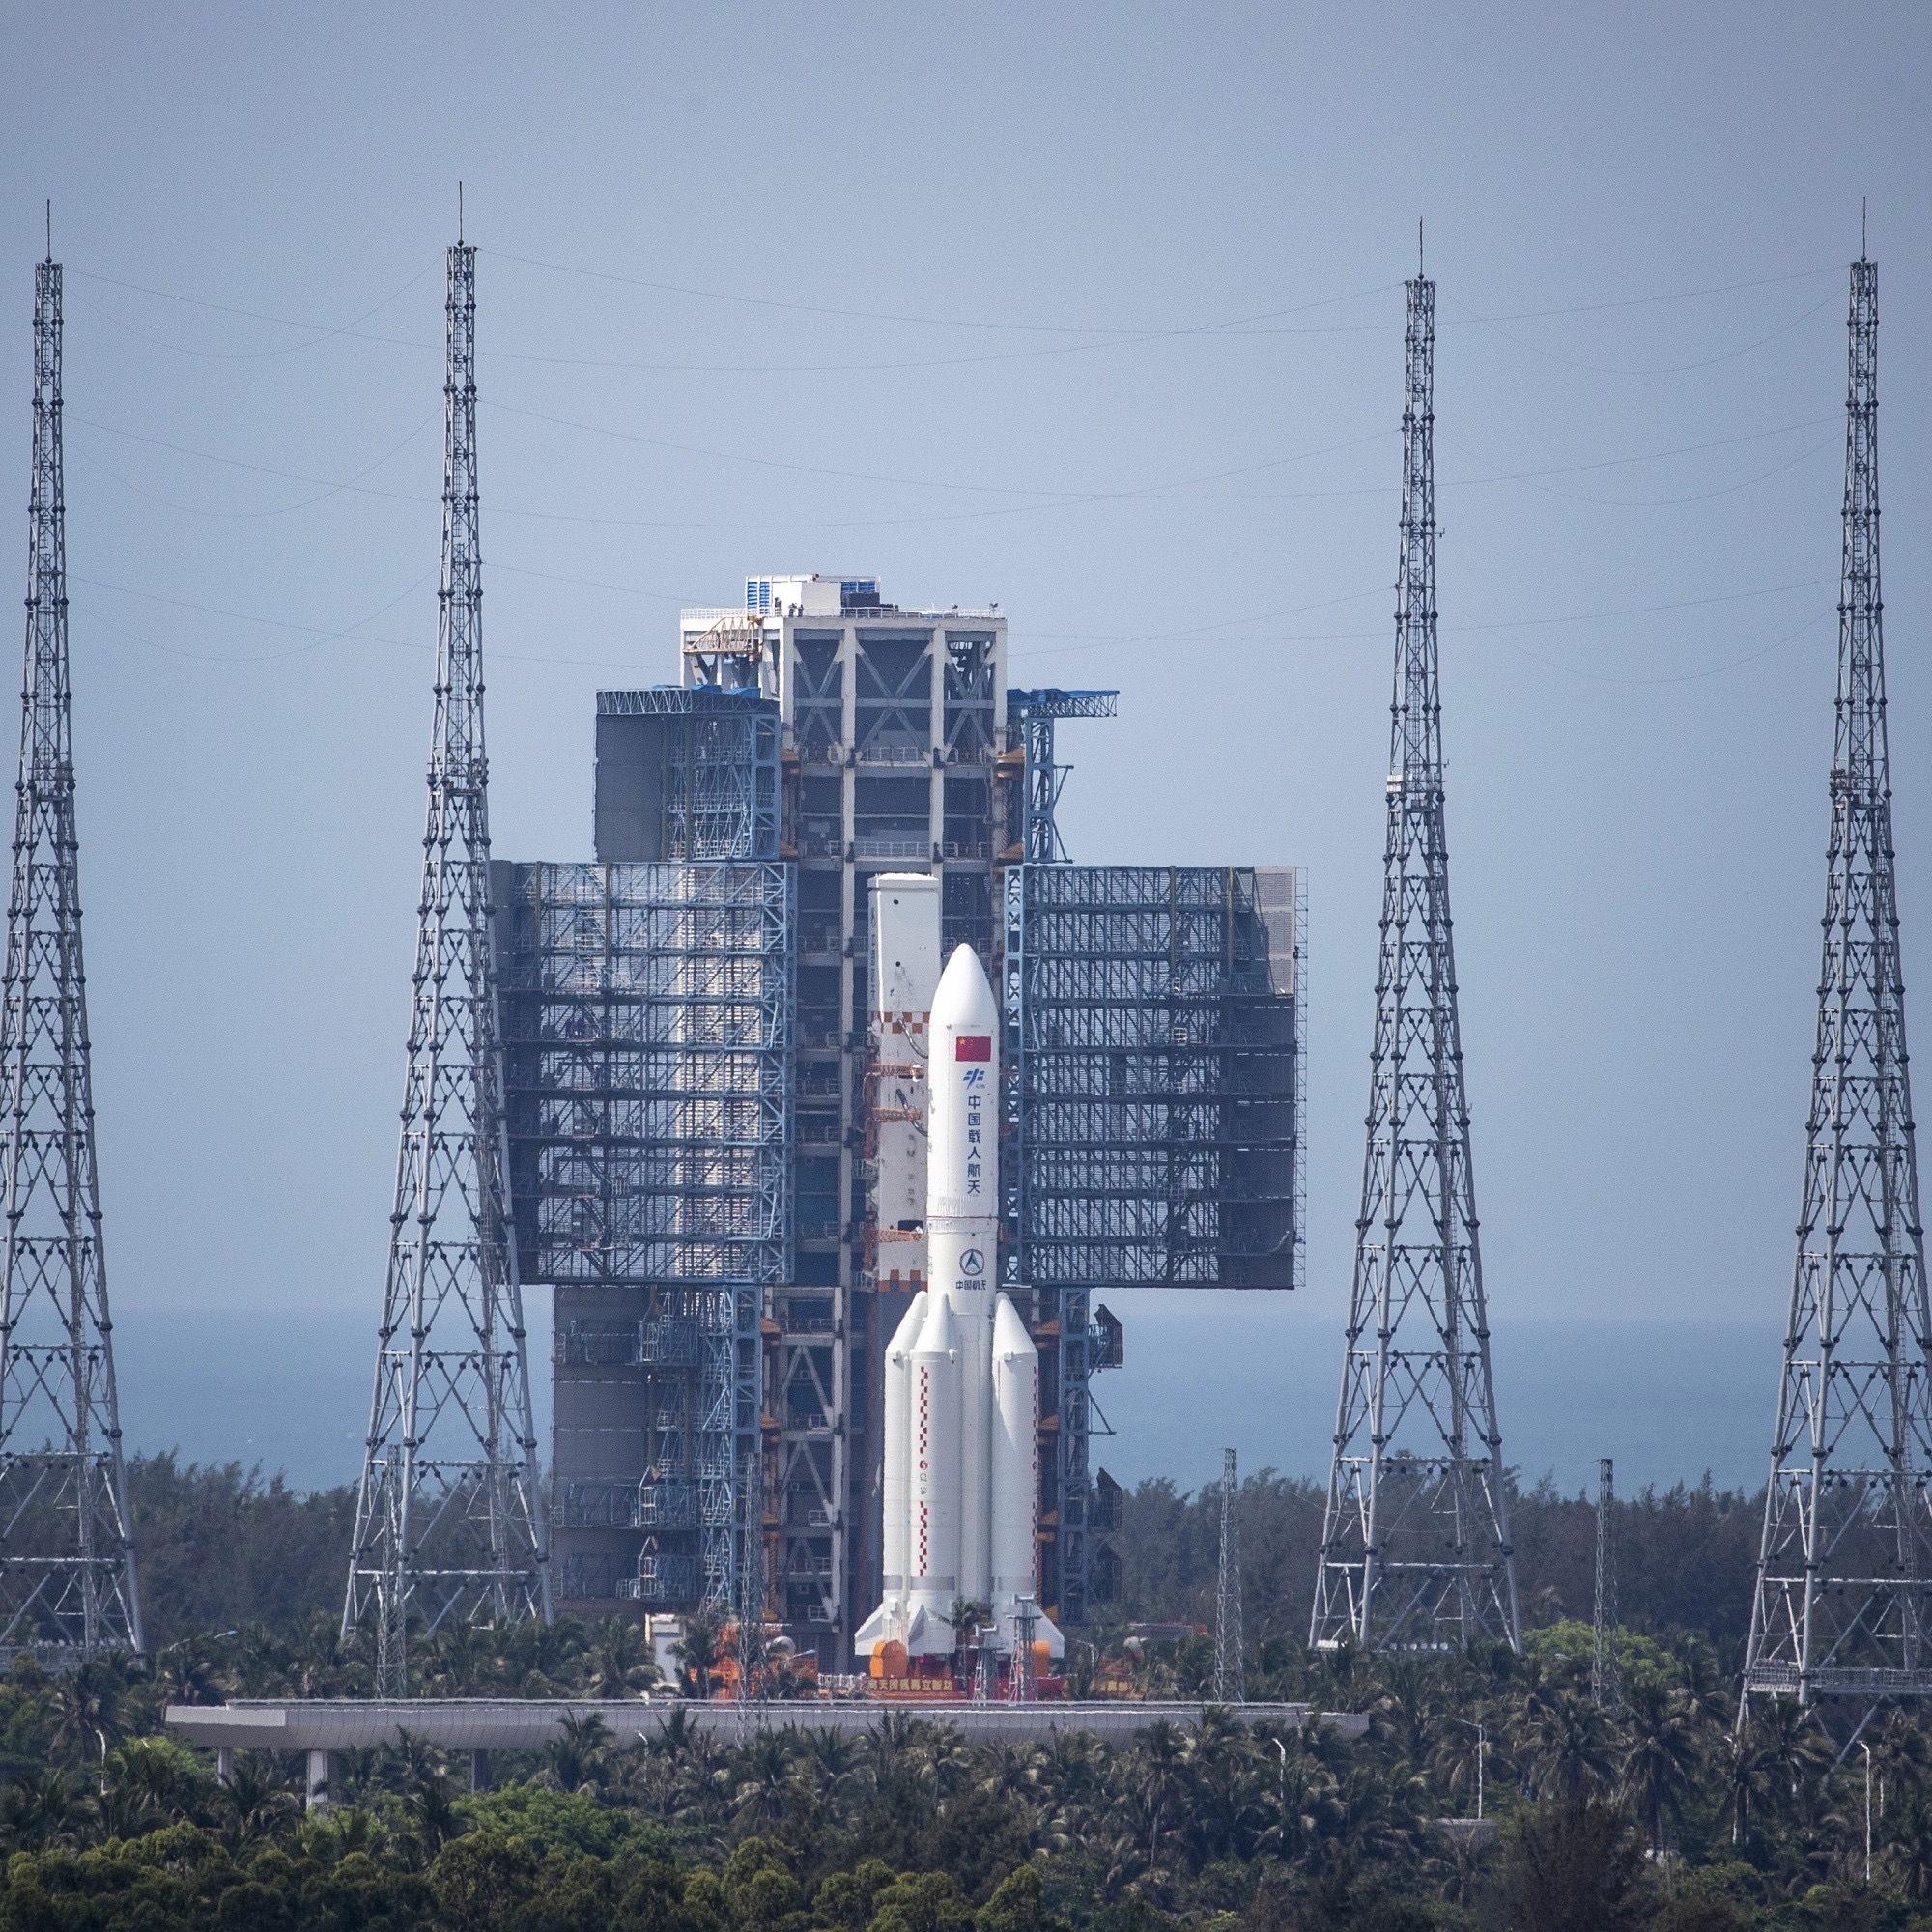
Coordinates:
[1659,1763]
[1158,1782]
[574,1756]
[349,1829]
[184,1672]
[1407,1706]
[1908,1850]
[942,1757]
[1797,1752]
[1712,1693]
[1566,1745]
[1365,1818]
[618,1664]
[1900,1755]
[1304,1792]
[157,1778]
[832,1759]
[430,1809]
[1748,1768]
[1222,1815]
[259,1806]
[760,1779]
[1011,1770]
[698,1650]
[410,1762]
[462,1658]
[86,1708]
[39,1811]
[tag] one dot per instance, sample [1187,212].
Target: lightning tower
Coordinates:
[1415,1545]
[1845,1568]
[449,1520]
[1231,1682]
[1606,1671]
[67,1557]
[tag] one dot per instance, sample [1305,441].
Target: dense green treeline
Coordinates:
[1685,1555]
[220,1546]
[1651,1816]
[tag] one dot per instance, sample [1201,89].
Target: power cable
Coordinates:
[1666,369]
[740,297]
[1642,503]
[323,333]
[1502,625]
[743,299]
[317,642]
[353,484]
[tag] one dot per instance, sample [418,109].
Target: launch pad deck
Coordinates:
[505,1723]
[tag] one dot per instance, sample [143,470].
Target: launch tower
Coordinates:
[718,1102]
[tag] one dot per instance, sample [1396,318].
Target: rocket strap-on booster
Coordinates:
[961,1421]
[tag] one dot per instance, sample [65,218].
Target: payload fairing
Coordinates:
[961,1479]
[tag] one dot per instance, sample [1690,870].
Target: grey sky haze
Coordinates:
[1095,311]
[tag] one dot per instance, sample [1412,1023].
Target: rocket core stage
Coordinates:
[961,1479]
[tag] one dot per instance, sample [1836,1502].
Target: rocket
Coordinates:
[960,1428]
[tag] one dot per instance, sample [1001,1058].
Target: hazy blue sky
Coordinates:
[1093,311]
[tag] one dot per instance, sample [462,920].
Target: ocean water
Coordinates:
[1668,1400]
[289,1390]
[284,1390]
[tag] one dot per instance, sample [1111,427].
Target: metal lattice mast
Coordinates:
[1607,1670]
[1846,1561]
[449,1519]
[1034,713]
[1231,1679]
[1415,1547]
[67,1557]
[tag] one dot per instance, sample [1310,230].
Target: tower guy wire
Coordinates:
[1606,1671]
[1231,1677]
[1415,1544]
[449,1519]
[67,1590]
[1844,1572]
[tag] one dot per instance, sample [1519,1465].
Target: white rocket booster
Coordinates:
[961,1488]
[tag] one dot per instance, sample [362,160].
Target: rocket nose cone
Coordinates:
[935,1332]
[964,996]
[1010,1338]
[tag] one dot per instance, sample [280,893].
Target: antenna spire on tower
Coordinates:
[66,1556]
[1415,1544]
[1844,1574]
[449,1519]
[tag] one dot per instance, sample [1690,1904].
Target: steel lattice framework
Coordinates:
[1034,713]
[1231,1679]
[1845,1567]
[651,1017]
[1153,1092]
[449,1519]
[67,1561]
[1606,1671]
[1415,1544]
